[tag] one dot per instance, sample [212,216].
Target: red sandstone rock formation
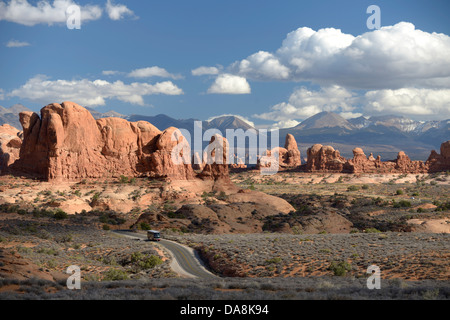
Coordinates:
[216,166]
[324,158]
[197,162]
[160,163]
[288,157]
[292,158]
[66,142]
[10,143]
[277,155]
[440,162]
[239,165]
[362,164]
[404,164]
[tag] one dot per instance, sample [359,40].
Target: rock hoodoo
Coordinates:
[292,158]
[362,163]
[288,157]
[440,162]
[160,163]
[216,166]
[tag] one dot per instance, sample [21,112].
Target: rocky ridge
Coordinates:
[66,143]
[327,159]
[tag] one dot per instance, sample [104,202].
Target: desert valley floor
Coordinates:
[341,224]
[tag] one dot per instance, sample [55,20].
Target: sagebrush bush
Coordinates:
[372,230]
[123,179]
[402,204]
[60,214]
[144,226]
[115,275]
[340,268]
[143,262]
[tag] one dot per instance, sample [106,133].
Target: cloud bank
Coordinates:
[202,71]
[394,70]
[153,72]
[392,57]
[90,93]
[408,101]
[303,103]
[51,13]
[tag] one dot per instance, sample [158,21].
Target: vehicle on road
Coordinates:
[153,235]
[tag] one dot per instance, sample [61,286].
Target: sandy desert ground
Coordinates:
[398,222]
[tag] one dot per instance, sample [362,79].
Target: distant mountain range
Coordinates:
[11,115]
[383,135]
[380,135]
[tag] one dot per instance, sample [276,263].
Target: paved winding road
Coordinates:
[185,261]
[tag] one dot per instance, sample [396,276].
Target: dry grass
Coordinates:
[321,288]
[408,256]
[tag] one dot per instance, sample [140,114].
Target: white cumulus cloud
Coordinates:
[17,44]
[110,72]
[44,12]
[152,72]
[202,71]
[285,124]
[304,103]
[409,101]
[392,57]
[90,93]
[262,65]
[417,103]
[117,11]
[54,12]
[350,115]
[393,70]
[230,84]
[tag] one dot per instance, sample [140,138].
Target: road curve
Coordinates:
[185,261]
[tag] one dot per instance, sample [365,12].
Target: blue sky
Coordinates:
[141,56]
